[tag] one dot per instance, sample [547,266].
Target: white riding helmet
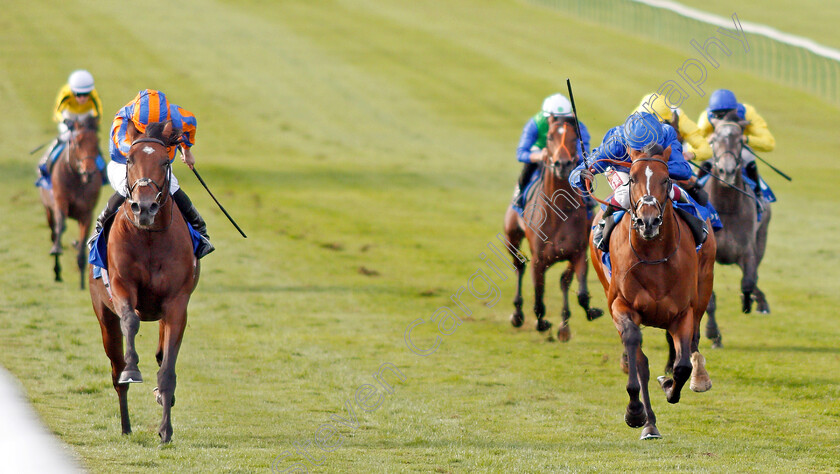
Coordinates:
[557,104]
[81,82]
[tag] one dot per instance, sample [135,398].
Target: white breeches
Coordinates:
[116,175]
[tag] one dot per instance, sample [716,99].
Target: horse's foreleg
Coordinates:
[712,331]
[582,270]
[649,431]
[682,333]
[518,317]
[631,336]
[129,324]
[81,250]
[58,225]
[112,341]
[564,334]
[538,272]
[172,333]
[748,280]
[672,354]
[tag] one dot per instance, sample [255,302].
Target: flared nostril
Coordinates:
[135,208]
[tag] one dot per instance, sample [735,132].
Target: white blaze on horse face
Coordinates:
[148,150]
[648,173]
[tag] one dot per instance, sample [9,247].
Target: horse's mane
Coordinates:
[653,149]
[90,123]
[155,130]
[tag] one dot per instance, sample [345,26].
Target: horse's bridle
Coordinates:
[557,166]
[71,147]
[649,200]
[148,181]
[735,155]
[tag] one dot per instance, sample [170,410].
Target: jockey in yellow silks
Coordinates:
[757,136]
[76,100]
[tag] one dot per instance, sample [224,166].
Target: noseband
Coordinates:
[141,182]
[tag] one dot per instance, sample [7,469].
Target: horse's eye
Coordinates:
[664,181]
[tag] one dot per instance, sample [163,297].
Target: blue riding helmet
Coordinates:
[641,129]
[722,99]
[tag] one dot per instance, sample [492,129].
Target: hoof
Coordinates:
[635,415]
[700,384]
[130,376]
[650,432]
[56,250]
[593,314]
[543,325]
[516,319]
[564,334]
[717,343]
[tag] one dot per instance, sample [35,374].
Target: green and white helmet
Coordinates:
[557,104]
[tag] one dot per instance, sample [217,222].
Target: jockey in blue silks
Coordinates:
[638,132]
[532,144]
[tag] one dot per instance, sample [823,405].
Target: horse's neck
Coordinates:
[553,184]
[727,200]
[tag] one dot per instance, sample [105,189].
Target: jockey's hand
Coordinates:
[585,175]
[187,157]
[689,155]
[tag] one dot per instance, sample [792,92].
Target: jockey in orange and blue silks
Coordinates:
[756,134]
[532,143]
[638,132]
[150,106]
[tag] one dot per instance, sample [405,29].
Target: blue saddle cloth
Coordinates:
[45,180]
[98,256]
[766,192]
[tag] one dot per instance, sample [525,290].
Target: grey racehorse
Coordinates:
[743,239]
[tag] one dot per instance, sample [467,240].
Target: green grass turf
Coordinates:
[353,137]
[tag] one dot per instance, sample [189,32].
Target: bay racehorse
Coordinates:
[657,279]
[743,239]
[557,228]
[76,182]
[152,271]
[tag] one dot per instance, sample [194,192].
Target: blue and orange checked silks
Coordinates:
[149,106]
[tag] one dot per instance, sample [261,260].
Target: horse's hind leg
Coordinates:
[748,280]
[712,330]
[683,335]
[761,304]
[112,341]
[672,354]
[58,229]
[564,334]
[581,270]
[172,333]
[57,267]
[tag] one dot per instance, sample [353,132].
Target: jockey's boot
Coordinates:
[111,208]
[43,163]
[697,225]
[524,178]
[705,169]
[196,221]
[752,173]
[601,232]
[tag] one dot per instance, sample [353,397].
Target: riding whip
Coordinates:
[217,201]
[577,121]
[50,141]
[768,164]
[722,181]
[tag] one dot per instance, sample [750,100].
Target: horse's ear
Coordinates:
[714,121]
[636,154]
[744,124]
[666,154]
[167,129]
[131,132]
